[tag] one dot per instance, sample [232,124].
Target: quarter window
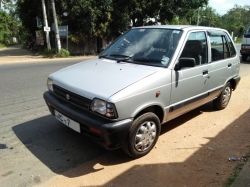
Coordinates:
[231,46]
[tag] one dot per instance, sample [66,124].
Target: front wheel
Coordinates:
[244,57]
[223,99]
[142,135]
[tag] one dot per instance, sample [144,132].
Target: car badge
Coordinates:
[67,96]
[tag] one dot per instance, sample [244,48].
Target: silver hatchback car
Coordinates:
[146,77]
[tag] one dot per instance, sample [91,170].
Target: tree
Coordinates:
[134,13]
[107,18]
[7,4]
[86,18]
[9,27]
[208,17]
[27,11]
[236,19]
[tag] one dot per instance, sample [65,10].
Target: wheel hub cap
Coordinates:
[145,136]
[226,96]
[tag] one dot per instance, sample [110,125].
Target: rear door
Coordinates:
[222,60]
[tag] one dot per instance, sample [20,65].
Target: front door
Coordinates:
[189,85]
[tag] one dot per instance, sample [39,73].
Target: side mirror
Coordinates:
[102,49]
[184,63]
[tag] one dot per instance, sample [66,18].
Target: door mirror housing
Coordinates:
[184,63]
[102,49]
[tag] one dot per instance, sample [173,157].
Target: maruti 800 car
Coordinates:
[146,77]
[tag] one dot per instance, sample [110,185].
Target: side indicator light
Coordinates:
[158,94]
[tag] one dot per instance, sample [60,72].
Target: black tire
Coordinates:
[223,99]
[147,129]
[244,57]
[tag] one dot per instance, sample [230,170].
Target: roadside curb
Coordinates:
[26,59]
[15,54]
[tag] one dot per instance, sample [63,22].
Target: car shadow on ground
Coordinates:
[208,166]
[61,148]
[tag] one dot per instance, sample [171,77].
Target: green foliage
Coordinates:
[239,40]
[106,18]
[181,8]
[236,20]
[236,172]
[27,11]
[9,27]
[49,53]
[54,54]
[89,19]
[2,46]
[64,53]
[7,4]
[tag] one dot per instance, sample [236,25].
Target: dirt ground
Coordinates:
[193,150]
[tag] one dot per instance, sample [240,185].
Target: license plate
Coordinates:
[67,121]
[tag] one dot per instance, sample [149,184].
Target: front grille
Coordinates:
[75,99]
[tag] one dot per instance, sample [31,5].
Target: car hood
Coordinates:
[100,78]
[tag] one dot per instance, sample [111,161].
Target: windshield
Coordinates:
[147,46]
[248,30]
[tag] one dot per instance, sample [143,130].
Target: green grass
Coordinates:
[2,46]
[54,54]
[239,41]
[236,172]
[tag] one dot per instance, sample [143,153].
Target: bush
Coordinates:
[239,40]
[49,53]
[7,42]
[53,53]
[24,45]
[64,53]
[2,45]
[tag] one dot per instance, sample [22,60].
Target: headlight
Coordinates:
[103,108]
[50,85]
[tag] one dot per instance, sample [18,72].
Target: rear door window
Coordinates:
[221,46]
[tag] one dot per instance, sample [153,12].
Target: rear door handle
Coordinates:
[229,65]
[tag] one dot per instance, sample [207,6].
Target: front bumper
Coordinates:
[113,133]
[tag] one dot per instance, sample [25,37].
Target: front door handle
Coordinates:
[204,72]
[229,65]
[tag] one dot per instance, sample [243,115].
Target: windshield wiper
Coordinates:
[123,57]
[105,56]
[147,60]
[119,55]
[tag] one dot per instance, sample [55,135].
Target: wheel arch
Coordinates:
[156,109]
[233,83]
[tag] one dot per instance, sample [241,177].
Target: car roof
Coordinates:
[179,27]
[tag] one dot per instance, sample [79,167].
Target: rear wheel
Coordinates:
[223,99]
[143,135]
[244,57]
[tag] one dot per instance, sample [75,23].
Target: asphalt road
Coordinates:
[32,142]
